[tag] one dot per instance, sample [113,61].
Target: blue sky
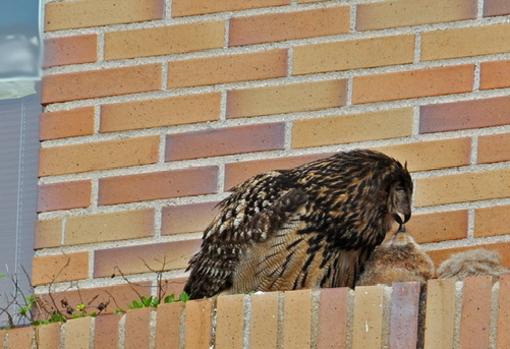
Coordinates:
[19,16]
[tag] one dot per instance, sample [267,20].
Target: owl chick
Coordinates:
[311,226]
[398,259]
[472,263]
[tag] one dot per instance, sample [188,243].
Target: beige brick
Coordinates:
[462,187]
[48,336]
[367,320]
[89,13]
[164,40]
[98,156]
[21,338]
[198,7]
[440,314]
[352,128]
[503,329]
[409,84]
[168,325]
[109,227]
[48,233]
[71,266]
[77,333]
[229,321]
[137,329]
[264,320]
[223,69]
[198,324]
[440,226]
[171,111]
[494,148]
[187,218]
[67,123]
[495,75]
[353,54]
[492,221]
[286,99]
[288,26]
[390,14]
[465,42]
[297,308]
[100,83]
[70,50]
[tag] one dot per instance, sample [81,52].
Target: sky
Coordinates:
[19,17]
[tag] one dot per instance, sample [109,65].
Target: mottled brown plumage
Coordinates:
[311,226]
[472,263]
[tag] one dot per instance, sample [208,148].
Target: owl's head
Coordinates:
[400,194]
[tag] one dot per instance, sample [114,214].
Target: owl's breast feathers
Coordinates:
[307,227]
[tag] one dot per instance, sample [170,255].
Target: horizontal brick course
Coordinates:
[339,55]
[109,227]
[71,266]
[494,148]
[98,156]
[187,218]
[496,7]
[352,128]
[409,84]
[223,69]
[199,7]
[64,196]
[164,40]
[171,111]
[440,226]
[495,75]
[100,83]
[66,123]
[462,188]
[492,221]
[465,42]
[287,26]
[70,50]
[234,140]
[88,13]
[157,185]
[286,99]
[464,115]
[134,259]
[390,14]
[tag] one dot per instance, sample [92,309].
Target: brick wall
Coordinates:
[154,109]
[473,314]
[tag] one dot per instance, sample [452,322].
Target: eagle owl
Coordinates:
[311,226]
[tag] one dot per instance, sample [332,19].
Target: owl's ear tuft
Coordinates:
[405,164]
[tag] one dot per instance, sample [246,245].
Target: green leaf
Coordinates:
[119,311]
[169,299]
[136,304]
[80,307]
[184,297]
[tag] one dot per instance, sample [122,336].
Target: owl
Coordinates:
[311,226]
[472,263]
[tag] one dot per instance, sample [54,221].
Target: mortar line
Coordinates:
[417,48]
[479,10]
[168,10]
[477,77]
[471,224]
[353,18]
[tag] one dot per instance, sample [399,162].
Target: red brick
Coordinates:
[440,226]
[93,156]
[288,26]
[72,266]
[63,196]
[495,75]
[264,328]
[492,221]
[70,50]
[286,99]
[187,218]
[226,141]
[137,330]
[438,256]
[133,259]
[199,7]
[405,303]
[494,148]
[171,111]
[409,84]
[164,40]
[297,308]
[464,115]
[168,325]
[238,172]
[503,325]
[333,318]
[198,324]
[67,123]
[496,8]
[21,338]
[476,312]
[88,13]
[48,336]
[440,314]
[106,332]
[229,321]
[158,185]
[100,83]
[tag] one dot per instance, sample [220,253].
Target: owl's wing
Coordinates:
[254,211]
